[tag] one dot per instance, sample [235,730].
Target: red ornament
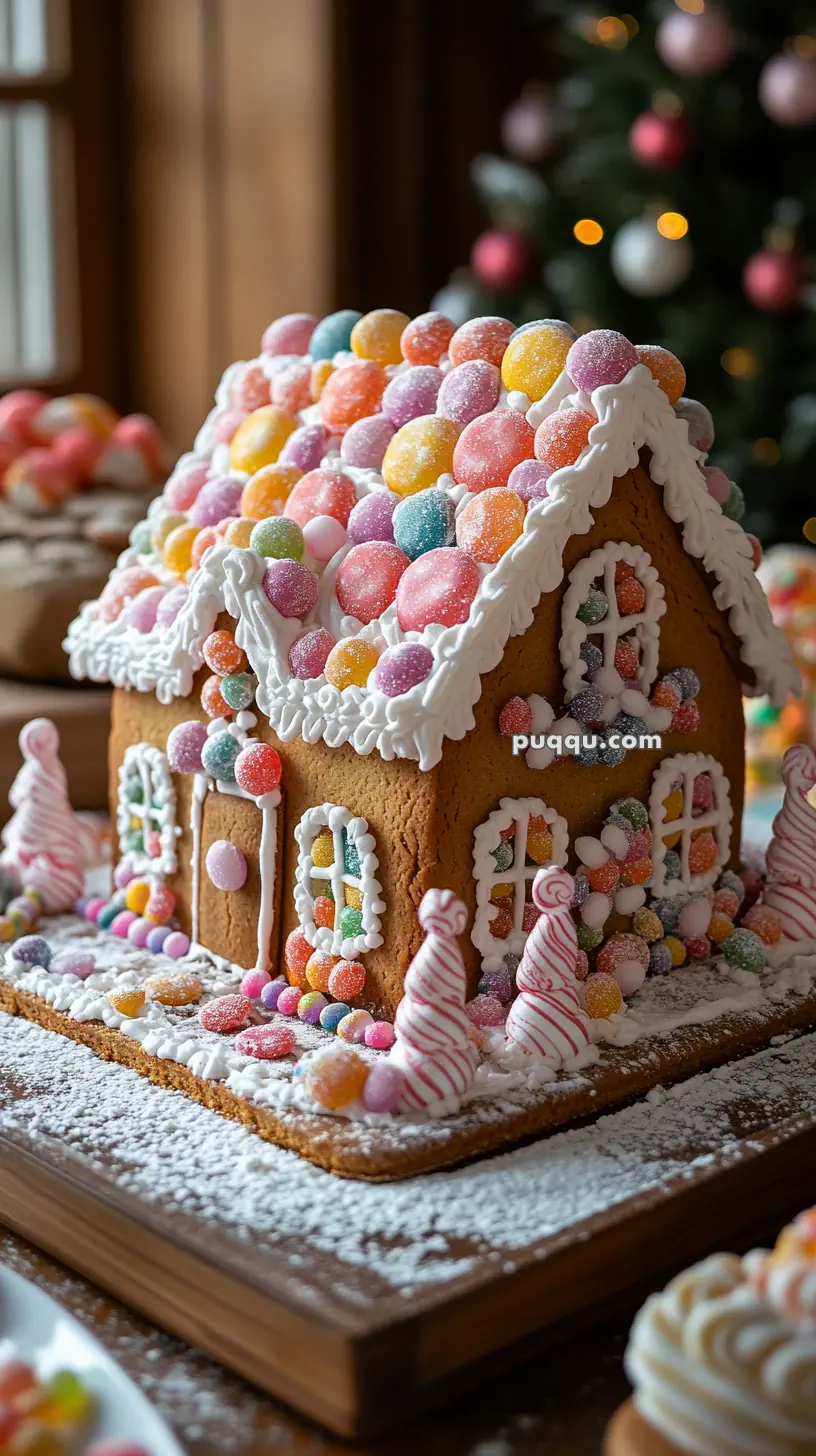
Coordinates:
[659,141]
[501,259]
[772,280]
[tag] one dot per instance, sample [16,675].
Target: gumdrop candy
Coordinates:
[251,390]
[305,448]
[603,996]
[122,587]
[267,491]
[720,927]
[426,338]
[222,653]
[589,937]
[213,702]
[160,905]
[660,961]
[647,925]
[350,394]
[666,694]
[226,865]
[468,391]
[309,653]
[351,856]
[350,663]
[332,335]
[423,522]
[438,587]
[703,853]
[177,988]
[745,950]
[529,481]
[296,954]
[335,1076]
[490,447]
[665,368]
[332,1015]
[605,877]
[600,357]
[563,436]
[481,338]
[346,979]
[593,608]
[253,983]
[201,545]
[267,1043]
[410,394]
[634,812]
[686,718]
[698,947]
[258,769]
[372,517]
[377,335]
[323,851]
[676,949]
[318,969]
[289,334]
[259,440]
[321,493]
[402,667]
[627,662]
[310,1006]
[515,717]
[499,984]
[219,754]
[323,537]
[534,359]
[288,1000]
[486,1011]
[278,538]
[687,680]
[127,1000]
[238,690]
[226,1013]
[420,452]
[764,922]
[490,523]
[351,922]
[365,443]
[368,577]
[291,588]
[353,1026]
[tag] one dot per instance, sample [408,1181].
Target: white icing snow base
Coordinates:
[505,1079]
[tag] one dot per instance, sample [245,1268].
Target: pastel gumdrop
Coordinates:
[529,480]
[410,394]
[122,587]
[219,498]
[419,454]
[296,954]
[377,335]
[251,389]
[481,338]
[423,522]
[665,368]
[426,338]
[323,537]
[401,667]
[717,483]
[562,437]
[226,1013]
[183,487]
[260,438]
[350,663]
[534,359]
[350,394]
[365,443]
[222,653]
[238,690]
[267,1043]
[213,701]
[267,491]
[372,519]
[291,386]
[490,447]
[226,866]
[258,769]
[603,356]
[322,493]
[438,587]
[219,754]
[144,608]
[277,538]
[385,1084]
[170,606]
[332,335]
[470,390]
[206,538]
[305,448]
[291,588]
[490,523]
[308,654]
[335,1076]
[346,979]
[367,579]
[290,334]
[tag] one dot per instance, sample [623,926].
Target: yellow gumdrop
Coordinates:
[238,532]
[350,662]
[501,892]
[260,438]
[419,453]
[377,335]
[539,847]
[353,897]
[180,988]
[672,809]
[321,370]
[603,996]
[163,527]
[323,851]
[534,359]
[127,1000]
[137,893]
[178,549]
[676,949]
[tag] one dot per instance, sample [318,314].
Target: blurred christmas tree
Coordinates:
[665,186]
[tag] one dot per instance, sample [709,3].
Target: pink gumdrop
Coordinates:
[184,745]
[323,536]
[529,480]
[630,976]
[367,579]
[694,919]
[79,450]
[226,865]
[717,483]
[384,1086]
[79,963]
[218,498]
[144,608]
[489,448]
[139,931]
[321,493]
[253,984]
[141,433]
[702,793]
[226,423]
[469,390]
[93,907]
[380,1034]
[373,517]
[307,656]
[603,356]
[18,412]
[170,606]
[756,549]
[291,588]
[122,923]
[288,1000]
[400,668]
[305,448]
[176,945]
[366,441]
[438,587]
[411,393]
[182,489]
[251,390]
[486,1011]
[289,334]
[124,873]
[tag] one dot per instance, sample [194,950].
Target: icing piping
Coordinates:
[324,937]
[485,839]
[158,804]
[686,766]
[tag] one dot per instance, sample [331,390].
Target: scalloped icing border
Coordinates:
[137,754]
[322,937]
[574,632]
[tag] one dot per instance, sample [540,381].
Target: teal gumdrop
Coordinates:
[333,333]
[106,917]
[351,857]
[424,522]
[279,538]
[503,855]
[238,690]
[134,788]
[594,609]
[672,865]
[351,921]
[734,504]
[134,841]
[141,538]
[219,754]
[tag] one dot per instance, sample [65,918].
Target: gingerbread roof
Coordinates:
[633,414]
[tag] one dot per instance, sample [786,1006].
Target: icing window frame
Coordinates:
[643,625]
[158,804]
[686,767]
[338,819]
[486,875]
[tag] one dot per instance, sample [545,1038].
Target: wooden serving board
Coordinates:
[722,1157]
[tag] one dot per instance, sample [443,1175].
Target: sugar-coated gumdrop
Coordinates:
[350,663]
[377,335]
[365,442]
[380,1035]
[161,904]
[291,588]
[304,448]
[226,865]
[321,372]
[79,963]
[660,961]
[419,453]
[354,1025]
[486,1011]
[410,394]
[335,1076]
[319,968]
[346,979]
[702,794]
[423,522]
[665,368]
[540,847]
[515,717]
[605,877]
[323,537]
[222,653]
[468,391]
[490,447]
[219,498]
[288,1000]
[647,925]
[694,918]
[562,437]
[271,992]
[426,338]
[278,538]
[764,922]
[698,947]
[219,754]
[162,526]
[534,359]
[144,608]
[322,493]
[686,718]
[529,480]
[206,538]
[253,983]
[368,577]
[157,937]
[703,853]
[267,491]
[332,335]
[309,653]
[225,424]
[176,945]
[267,1043]
[745,950]
[332,1015]
[251,390]
[720,927]
[226,1013]
[676,949]
[602,356]
[33,950]
[174,988]
[630,595]
[372,517]
[323,850]
[291,386]
[490,523]
[177,552]
[238,690]
[438,587]
[481,338]
[127,1000]
[310,1006]
[350,394]
[258,769]
[626,660]
[122,587]
[259,439]
[289,334]
[634,812]
[603,996]
[296,956]
[212,701]
[401,667]
[385,1083]
[589,937]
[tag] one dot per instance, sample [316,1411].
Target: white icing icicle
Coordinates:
[433,1046]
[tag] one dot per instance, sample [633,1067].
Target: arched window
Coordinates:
[690,815]
[508,850]
[146,811]
[614,597]
[337,894]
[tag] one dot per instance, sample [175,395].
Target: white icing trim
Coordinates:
[686,766]
[643,625]
[485,839]
[158,790]
[267,858]
[324,938]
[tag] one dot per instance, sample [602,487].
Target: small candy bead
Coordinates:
[157,937]
[353,1027]
[346,979]
[490,447]
[291,588]
[258,441]
[219,498]
[310,1006]
[137,894]
[176,945]
[486,1011]
[603,996]
[304,449]
[127,1000]
[410,394]
[764,922]
[529,481]
[219,754]
[515,717]
[426,338]
[665,368]
[184,745]
[33,950]
[184,484]
[490,523]
[377,336]
[332,1015]
[289,1000]
[335,1076]
[322,492]
[267,1043]
[401,668]
[384,1086]
[226,866]
[365,442]
[139,931]
[423,522]
[258,769]
[439,587]
[289,334]
[599,357]
[420,452]
[121,924]
[319,968]
[227,1013]
[745,950]
[222,653]
[323,537]
[698,947]
[367,579]
[79,963]
[373,517]
[93,907]
[238,690]
[271,991]
[563,436]
[176,988]
[350,394]
[481,338]
[470,390]
[308,654]
[266,493]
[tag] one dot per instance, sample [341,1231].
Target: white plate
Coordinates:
[34,1328]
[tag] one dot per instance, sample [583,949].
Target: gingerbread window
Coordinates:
[508,850]
[146,810]
[690,814]
[337,894]
[610,618]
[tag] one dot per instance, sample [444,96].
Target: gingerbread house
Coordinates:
[424,608]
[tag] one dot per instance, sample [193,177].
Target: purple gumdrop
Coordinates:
[170,606]
[365,442]
[411,393]
[184,745]
[470,390]
[529,479]
[157,937]
[218,499]
[603,356]
[291,588]
[400,668]
[144,608]
[372,517]
[271,991]
[305,448]
[308,655]
[79,963]
[384,1086]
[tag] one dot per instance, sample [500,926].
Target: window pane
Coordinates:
[33,38]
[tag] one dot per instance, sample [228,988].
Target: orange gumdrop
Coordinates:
[562,436]
[206,538]
[490,523]
[267,491]
[481,338]
[426,338]
[296,955]
[665,368]
[350,394]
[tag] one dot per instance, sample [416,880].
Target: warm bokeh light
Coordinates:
[631,24]
[667,104]
[691,7]
[588,231]
[672,225]
[740,363]
[805,46]
[612,31]
[766,451]
[809,529]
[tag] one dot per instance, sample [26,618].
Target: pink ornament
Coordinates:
[546,1019]
[659,141]
[305,448]
[380,1034]
[144,608]
[367,579]
[170,606]
[400,668]
[787,89]
[384,1086]
[184,745]
[307,656]
[291,588]
[184,485]
[772,280]
[600,357]
[696,45]
[323,537]
[433,1048]
[529,480]
[717,483]
[411,393]
[790,888]
[226,865]
[290,334]
[501,258]
[469,390]
[42,840]
[176,945]
[217,499]
[372,517]
[365,442]
[253,983]
[439,587]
